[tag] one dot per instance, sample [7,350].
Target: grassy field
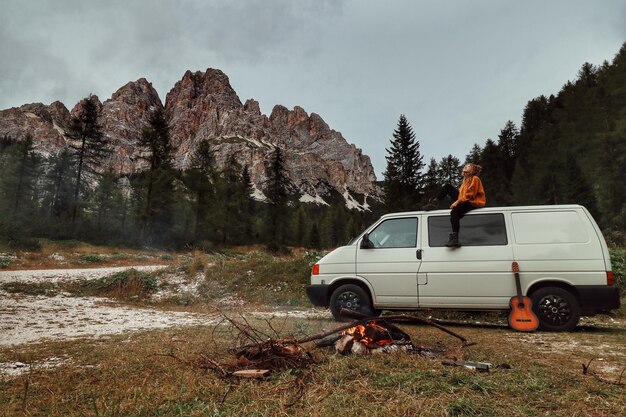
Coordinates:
[167,372]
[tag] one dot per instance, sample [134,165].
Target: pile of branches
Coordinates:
[258,353]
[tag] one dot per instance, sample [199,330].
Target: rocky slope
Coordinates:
[204,106]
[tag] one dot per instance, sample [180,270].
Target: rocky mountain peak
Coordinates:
[123,118]
[78,108]
[252,106]
[140,91]
[211,86]
[203,106]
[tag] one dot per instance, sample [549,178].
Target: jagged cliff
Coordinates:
[204,106]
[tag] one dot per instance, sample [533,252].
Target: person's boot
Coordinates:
[431,205]
[453,241]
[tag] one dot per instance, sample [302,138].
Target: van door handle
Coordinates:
[418,254]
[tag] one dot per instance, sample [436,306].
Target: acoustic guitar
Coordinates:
[522,317]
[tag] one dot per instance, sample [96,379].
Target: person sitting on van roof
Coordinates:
[469,196]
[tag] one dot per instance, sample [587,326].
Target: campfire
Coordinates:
[259,353]
[373,337]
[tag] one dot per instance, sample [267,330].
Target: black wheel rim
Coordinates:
[348,300]
[554,310]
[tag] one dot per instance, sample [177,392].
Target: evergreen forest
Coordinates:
[570,148]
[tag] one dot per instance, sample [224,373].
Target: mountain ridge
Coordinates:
[203,106]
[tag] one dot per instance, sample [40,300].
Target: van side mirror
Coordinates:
[366,243]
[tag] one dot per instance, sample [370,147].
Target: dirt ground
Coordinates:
[36,318]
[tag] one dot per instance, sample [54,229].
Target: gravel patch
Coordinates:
[28,319]
[59,275]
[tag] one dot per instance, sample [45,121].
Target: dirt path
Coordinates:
[29,318]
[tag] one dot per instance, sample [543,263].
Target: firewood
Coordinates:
[403,318]
[376,333]
[478,366]
[359,348]
[344,345]
[252,373]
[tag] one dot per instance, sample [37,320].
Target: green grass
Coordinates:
[91,258]
[263,278]
[159,373]
[46,288]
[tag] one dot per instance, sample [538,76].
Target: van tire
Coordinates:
[351,297]
[556,308]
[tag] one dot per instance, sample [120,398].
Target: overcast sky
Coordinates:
[458,69]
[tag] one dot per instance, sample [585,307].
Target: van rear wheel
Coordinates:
[351,297]
[557,309]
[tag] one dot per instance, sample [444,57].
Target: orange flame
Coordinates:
[359,334]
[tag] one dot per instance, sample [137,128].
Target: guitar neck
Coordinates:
[518,283]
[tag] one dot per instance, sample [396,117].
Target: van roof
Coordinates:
[491,210]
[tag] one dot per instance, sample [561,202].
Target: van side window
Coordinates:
[476,230]
[395,233]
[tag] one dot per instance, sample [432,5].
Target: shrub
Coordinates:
[128,284]
[618,262]
[4,262]
[91,258]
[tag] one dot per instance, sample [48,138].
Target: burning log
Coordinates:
[404,318]
[373,337]
[258,352]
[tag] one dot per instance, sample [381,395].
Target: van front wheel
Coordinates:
[556,308]
[351,297]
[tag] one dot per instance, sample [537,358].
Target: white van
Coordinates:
[401,263]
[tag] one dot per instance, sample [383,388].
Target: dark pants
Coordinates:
[457,212]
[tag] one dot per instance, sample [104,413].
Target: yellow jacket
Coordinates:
[472,191]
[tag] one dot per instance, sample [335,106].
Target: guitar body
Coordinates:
[522,318]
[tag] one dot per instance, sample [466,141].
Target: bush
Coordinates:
[4,262]
[127,285]
[618,262]
[91,258]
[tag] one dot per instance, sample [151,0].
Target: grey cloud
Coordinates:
[457,69]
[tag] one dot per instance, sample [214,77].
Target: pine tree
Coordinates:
[108,207]
[474,156]
[493,177]
[18,179]
[587,75]
[577,189]
[276,191]
[449,171]
[301,226]
[507,143]
[432,183]
[403,183]
[314,239]
[157,183]
[200,179]
[58,188]
[248,205]
[88,144]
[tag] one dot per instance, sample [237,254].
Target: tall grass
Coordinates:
[129,284]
